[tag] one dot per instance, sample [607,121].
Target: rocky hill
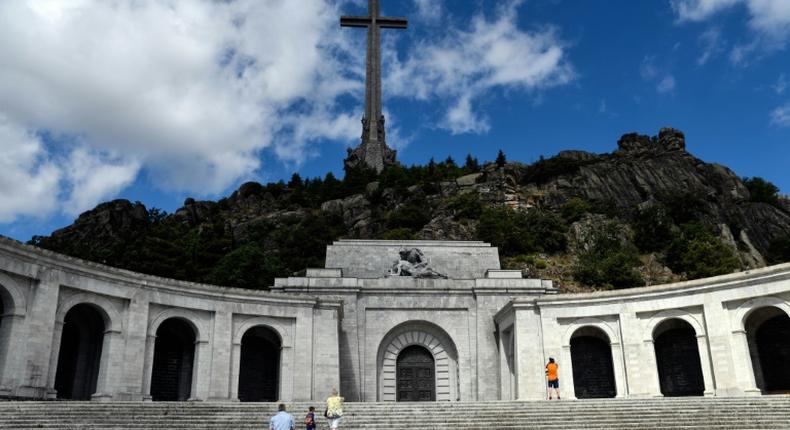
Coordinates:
[649,212]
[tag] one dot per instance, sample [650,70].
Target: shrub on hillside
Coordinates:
[698,253]
[779,250]
[574,209]
[653,229]
[762,191]
[609,263]
[516,233]
[248,267]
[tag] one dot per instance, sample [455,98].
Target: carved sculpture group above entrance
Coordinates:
[413,263]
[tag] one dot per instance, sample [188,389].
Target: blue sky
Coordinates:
[191,98]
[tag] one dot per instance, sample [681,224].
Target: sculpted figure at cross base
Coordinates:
[413,263]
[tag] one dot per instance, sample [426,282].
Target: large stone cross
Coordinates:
[373,121]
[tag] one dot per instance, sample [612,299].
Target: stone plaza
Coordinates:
[383,321]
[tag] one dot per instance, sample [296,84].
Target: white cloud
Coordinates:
[429,10]
[467,63]
[650,72]
[666,85]
[698,10]
[781,84]
[711,44]
[192,90]
[781,116]
[28,179]
[769,18]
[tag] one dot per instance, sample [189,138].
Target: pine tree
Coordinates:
[500,159]
[471,165]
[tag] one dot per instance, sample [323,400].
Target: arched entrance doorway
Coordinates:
[259,375]
[768,332]
[416,375]
[678,360]
[174,356]
[80,353]
[591,358]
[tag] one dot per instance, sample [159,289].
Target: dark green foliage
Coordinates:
[471,165]
[465,206]
[653,229]
[609,263]
[546,169]
[683,206]
[762,191]
[574,209]
[398,234]
[698,253]
[501,160]
[516,233]
[779,250]
[248,267]
[412,216]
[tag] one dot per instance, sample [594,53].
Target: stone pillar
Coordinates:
[531,375]
[11,364]
[704,359]
[296,360]
[620,380]
[235,370]
[568,389]
[743,363]
[650,346]
[721,349]
[201,371]
[109,366]
[57,335]
[148,366]
[136,367]
[42,340]
[221,362]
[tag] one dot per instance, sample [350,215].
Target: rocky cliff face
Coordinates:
[641,173]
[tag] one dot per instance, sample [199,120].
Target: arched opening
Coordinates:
[591,358]
[259,375]
[80,353]
[416,375]
[768,332]
[677,358]
[174,356]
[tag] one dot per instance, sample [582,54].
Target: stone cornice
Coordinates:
[47,260]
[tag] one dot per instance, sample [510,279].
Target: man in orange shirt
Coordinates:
[553,378]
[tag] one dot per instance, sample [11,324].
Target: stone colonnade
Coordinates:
[38,289]
[713,317]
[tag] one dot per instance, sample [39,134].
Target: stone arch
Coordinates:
[661,317]
[81,351]
[592,360]
[112,318]
[767,330]
[188,316]
[174,360]
[746,309]
[282,332]
[598,323]
[14,302]
[429,336]
[678,359]
[260,356]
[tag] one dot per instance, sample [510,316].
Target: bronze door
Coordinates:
[416,381]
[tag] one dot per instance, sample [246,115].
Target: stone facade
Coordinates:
[488,331]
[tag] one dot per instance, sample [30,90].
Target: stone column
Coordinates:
[235,370]
[620,380]
[133,365]
[568,389]
[11,364]
[221,356]
[57,335]
[109,366]
[704,359]
[148,366]
[201,371]
[529,352]
[42,339]
[743,363]
[653,363]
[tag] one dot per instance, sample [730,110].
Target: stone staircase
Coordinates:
[768,412]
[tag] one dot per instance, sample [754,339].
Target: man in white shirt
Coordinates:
[282,421]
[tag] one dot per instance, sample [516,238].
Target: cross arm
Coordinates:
[391,22]
[354,21]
